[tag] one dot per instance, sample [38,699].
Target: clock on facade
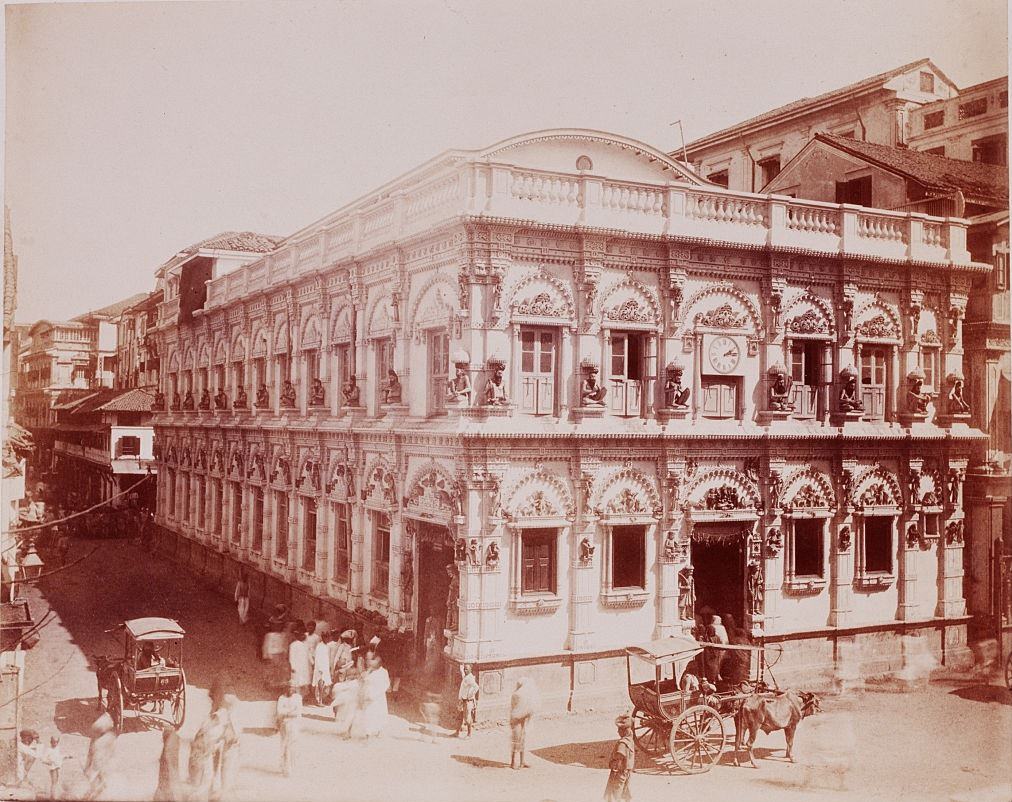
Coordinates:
[724,354]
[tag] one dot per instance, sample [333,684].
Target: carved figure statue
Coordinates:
[917,401]
[492,556]
[845,538]
[287,394]
[263,398]
[351,392]
[177,402]
[407,583]
[495,390]
[914,486]
[317,397]
[675,396]
[756,591]
[452,595]
[850,397]
[776,486]
[392,388]
[670,547]
[957,404]
[587,550]
[474,552]
[686,594]
[954,480]
[241,399]
[188,400]
[159,402]
[205,399]
[779,389]
[460,550]
[220,399]
[458,389]
[591,393]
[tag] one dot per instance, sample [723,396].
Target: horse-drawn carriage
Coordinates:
[149,676]
[687,719]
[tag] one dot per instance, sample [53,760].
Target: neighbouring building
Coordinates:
[972,126]
[748,155]
[136,354]
[831,167]
[526,405]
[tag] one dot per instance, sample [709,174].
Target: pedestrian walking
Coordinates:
[227,756]
[288,718]
[322,680]
[101,752]
[373,708]
[299,662]
[467,699]
[343,656]
[275,655]
[168,789]
[29,747]
[201,763]
[242,597]
[623,759]
[52,759]
[522,709]
[430,715]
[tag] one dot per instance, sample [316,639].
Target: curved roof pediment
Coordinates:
[610,155]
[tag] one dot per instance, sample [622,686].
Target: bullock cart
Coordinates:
[672,715]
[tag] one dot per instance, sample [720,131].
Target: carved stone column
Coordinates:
[334,373]
[584,583]
[951,594]
[843,537]
[474,577]
[650,374]
[567,373]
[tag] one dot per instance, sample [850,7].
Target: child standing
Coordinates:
[623,758]
[468,699]
[52,759]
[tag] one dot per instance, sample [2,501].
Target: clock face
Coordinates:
[724,354]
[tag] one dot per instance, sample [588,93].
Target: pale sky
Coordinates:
[136,129]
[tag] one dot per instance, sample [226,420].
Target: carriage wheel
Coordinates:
[179,704]
[1008,671]
[697,739]
[103,693]
[114,703]
[649,732]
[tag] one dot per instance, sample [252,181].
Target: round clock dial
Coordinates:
[724,354]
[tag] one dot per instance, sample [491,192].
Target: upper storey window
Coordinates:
[538,371]
[927,82]
[874,372]
[626,373]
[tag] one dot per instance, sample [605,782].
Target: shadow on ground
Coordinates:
[990,694]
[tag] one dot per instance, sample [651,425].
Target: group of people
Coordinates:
[32,749]
[721,667]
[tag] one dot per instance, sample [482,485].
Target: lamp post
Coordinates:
[31,565]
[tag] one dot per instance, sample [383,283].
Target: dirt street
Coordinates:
[933,744]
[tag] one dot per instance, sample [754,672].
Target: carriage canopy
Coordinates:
[154,629]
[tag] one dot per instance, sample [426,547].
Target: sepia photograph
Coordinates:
[519,401]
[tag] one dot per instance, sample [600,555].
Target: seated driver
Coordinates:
[149,656]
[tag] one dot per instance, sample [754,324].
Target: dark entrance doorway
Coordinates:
[718,562]
[435,554]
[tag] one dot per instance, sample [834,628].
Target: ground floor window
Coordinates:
[216,514]
[236,511]
[628,557]
[342,542]
[538,561]
[200,488]
[281,524]
[806,549]
[258,519]
[170,493]
[185,490]
[877,545]
[380,554]
[309,534]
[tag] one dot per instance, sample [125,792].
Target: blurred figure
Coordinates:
[430,715]
[522,709]
[202,751]
[168,789]
[622,762]
[322,679]
[299,662]
[275,655]
[288,717]
[29,747]
[373,697]
[101,752]
[242,597]
[227,756]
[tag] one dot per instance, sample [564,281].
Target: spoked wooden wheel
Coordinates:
[649,733]
[697,739]
[179,704]
[114,704]
[1008,672]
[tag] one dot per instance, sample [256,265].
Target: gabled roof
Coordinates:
[248,241]
[114,309]
[979,182]
[797,106]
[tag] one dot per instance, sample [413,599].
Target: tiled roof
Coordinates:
[92,403]
[976,180]
[248,241]
[68,399]
[798,105]
[135,400]
[112,310]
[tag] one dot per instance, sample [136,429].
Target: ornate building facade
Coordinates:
[531,404]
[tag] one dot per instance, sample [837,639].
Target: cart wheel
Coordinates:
[114,703]
[697,739]
[649,733]
[1008,671]
[179,704]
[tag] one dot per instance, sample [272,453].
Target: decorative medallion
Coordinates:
[538,506]
[809,323]
[541,305]
[630,311]
[879,327]
[626,502]
[723,317]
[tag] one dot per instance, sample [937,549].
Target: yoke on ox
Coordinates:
[771,712]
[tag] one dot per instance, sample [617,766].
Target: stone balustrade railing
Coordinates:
[677,210]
